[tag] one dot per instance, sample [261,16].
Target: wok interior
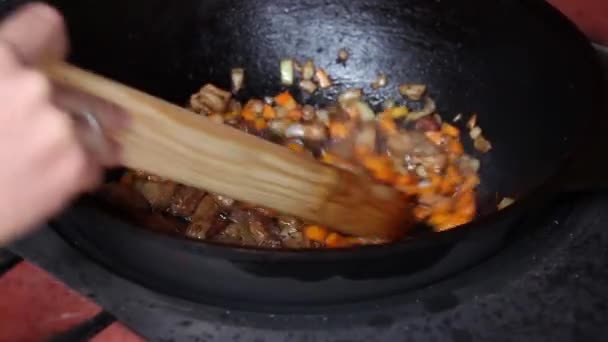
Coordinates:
[472,57]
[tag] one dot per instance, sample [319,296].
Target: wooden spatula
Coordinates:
[172,142]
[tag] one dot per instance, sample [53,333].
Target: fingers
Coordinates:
[36,33]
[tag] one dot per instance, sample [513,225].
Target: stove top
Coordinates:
[551,285]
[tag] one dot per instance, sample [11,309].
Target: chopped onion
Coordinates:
[412,91]
[308,132]
[281,111]
[278,126]
[365,112]
[482,144]
[475,132]
[322,78]
[472,121]
[308,86]
[428,109]
[350,96]
[287,71]
[343,55]
[269,100]
[457,118]
[238,76]
[380,82]
[308,113]
[505,202]
[323,116]
[367,138]
[308,71]
[388,104]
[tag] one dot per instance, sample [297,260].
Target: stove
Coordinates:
[549,285]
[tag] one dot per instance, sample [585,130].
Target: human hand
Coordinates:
[45,162]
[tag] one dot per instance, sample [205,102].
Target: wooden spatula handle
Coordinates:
[172,142]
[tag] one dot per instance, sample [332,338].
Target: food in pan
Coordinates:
[412,150]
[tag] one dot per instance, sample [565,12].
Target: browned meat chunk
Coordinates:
[210,99]
[203,218]
[415,148]
[261,234]
[185,201]
[158,194]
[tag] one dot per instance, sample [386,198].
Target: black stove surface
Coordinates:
[551,285]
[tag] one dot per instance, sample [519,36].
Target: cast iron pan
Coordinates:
[528,73]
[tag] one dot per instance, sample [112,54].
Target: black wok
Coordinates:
[529,74]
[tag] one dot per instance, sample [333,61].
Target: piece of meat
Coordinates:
[236,233]
[203,219]
[415,148]
[259,230]
[210,99]
[134,206]
[158,194]
[185,200]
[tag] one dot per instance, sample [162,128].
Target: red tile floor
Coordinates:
[34,306]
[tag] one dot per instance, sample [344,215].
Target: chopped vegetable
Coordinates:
[338,130]
[268,112]
[308,86]
[365,112]
[287,72]
[412,91]
[237,76]
[472,122]
[399,112]
[505,202]
[457,118]
[475,132]
[308,71]
[343,56]
[482,144]
[428,109]
[322,78]
[286,101]
[316,233]
[380,82]
[350,96]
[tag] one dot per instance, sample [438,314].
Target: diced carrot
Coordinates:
[450,181]
[335,240]
[405,180]
[316,233]
[269,112]
[465,204]
[455,147]
[422,212]
[381,168]
[435,137]
[361,151]
[260,124]
[338,130]
[442,205]
[295,147]
[248,114]
[469,183]
[387,125]
[446,222]
[450,130]
[285,100]
[295,114]
[399,112]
